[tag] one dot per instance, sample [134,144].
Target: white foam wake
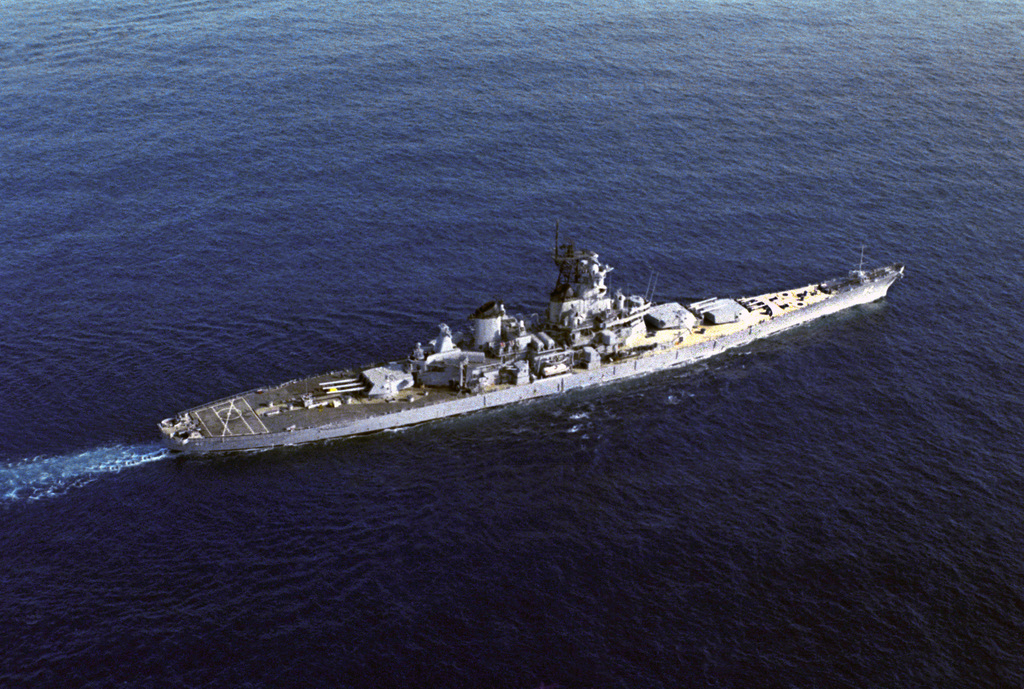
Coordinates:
[44,476]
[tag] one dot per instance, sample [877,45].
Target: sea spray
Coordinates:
[47,476]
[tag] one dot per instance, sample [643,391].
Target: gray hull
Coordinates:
[396,415]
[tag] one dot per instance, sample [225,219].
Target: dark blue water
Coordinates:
[198,198]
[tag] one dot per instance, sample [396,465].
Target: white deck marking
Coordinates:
[231,405]
[255,416]
[223,414]
[241,415]
[200,417]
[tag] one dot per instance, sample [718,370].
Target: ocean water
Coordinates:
[198,198]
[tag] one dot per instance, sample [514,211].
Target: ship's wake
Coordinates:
[42,477]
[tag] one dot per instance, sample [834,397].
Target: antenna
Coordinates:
[652,284]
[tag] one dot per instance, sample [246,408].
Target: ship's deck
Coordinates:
[279,409]
[248,413]
[762,308]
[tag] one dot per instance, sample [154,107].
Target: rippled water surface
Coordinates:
[198,198]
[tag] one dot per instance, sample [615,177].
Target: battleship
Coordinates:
[588,336]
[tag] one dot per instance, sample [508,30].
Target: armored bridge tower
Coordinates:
[581,311]
[580,292]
